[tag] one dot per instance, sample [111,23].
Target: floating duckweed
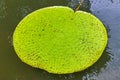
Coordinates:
[59,40]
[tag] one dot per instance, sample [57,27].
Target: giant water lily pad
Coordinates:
[59,40]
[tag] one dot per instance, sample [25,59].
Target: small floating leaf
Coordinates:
[59,40]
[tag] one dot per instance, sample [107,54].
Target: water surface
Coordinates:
[106,68]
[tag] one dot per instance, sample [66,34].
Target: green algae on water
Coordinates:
[60,41]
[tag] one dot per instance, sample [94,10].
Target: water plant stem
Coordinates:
[79,5]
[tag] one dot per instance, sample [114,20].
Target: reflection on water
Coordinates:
[109,12]
[106,68]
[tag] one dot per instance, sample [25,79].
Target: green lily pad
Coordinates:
[59,40]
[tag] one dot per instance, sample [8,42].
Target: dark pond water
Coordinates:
[107,67]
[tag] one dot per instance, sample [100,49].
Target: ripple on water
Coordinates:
[3,8]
